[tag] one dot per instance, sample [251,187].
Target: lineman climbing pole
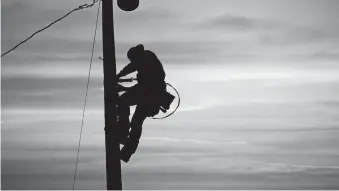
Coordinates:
[113,165]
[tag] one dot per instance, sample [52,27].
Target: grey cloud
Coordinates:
[316,56]
[48,175]
[272,118]
[198,173]
[239,23]
[187,149]
[49,58]
[144,16]
[269,32]
[197,52]
[293,36]
[20,19]
[55,46]
[149,178]
[208,180]
[317,144]
[193,176]
[55,49]
[326,55]
[330,104]
[71,50]
[34,163]
[49,93]
[67,151]
[63,49]
[28,17]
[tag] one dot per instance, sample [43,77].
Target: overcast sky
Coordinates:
[258,81]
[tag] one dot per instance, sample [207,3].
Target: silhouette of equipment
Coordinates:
[166,98]
[128,5]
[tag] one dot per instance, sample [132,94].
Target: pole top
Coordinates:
[128,5]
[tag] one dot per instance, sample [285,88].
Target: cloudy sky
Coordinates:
[258,81]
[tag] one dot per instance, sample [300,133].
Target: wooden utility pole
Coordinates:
[113,165]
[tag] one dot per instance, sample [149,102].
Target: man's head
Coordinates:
[134,53]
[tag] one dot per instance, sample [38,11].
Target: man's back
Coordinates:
[150,70]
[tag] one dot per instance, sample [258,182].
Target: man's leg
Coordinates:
[123,110]
[135,134]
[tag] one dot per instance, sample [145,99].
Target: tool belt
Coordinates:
[161,102]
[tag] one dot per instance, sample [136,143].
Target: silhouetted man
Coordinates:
[146,94]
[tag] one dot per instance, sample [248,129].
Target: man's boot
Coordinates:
[128,150]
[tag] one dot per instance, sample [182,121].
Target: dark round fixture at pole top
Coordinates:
[128,5]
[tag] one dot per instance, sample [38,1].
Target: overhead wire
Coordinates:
[84,108]
[84,6]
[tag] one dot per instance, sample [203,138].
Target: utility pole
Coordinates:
[113,165]
[112,146]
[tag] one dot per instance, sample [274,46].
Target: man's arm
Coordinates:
[130,68]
